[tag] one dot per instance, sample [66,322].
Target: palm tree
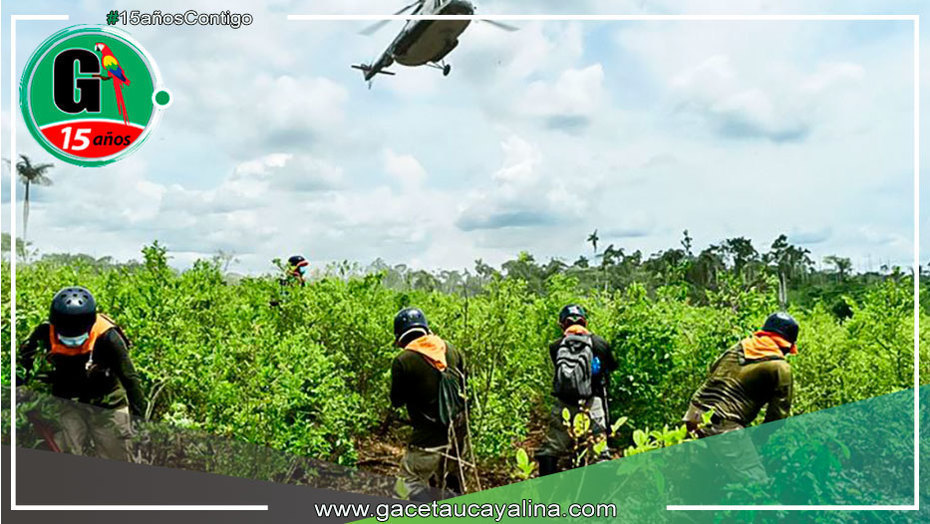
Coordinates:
[788,261]
[225,258]
[593,238]
[30,174]
[843,265]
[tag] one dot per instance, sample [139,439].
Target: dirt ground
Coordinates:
[381,452]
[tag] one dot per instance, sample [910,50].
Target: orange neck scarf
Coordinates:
[766,345]
[431,347]
[577,329]
[101,326]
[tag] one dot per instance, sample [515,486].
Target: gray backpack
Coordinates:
[572,380]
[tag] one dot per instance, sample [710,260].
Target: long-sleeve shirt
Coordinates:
[737,388]
[415,384]
[111,381]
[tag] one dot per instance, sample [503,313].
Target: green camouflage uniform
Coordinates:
[737,388]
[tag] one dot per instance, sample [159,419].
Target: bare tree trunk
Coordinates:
[783,290]
[467,338]
[25,220]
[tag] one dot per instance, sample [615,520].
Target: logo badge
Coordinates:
[91,95]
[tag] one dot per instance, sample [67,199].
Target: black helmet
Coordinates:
[73,311]
[296,260]
[572,314]
[784,325]
[407,319]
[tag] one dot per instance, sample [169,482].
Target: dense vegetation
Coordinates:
[306,369]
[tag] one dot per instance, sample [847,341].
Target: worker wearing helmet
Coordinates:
[749,376]
[84,356]
[582,363]
[427,378]
[297,269]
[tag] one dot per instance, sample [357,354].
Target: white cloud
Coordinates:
[637,223]
[519,171]
[537,137]
[405,168]
[750,80]
[489,54]
[831,74]
[713,91]
[570,101]
[525,192]
[274,111]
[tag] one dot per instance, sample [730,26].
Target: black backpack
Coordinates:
[572,379]
[451,394]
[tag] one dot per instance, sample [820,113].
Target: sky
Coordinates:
[639,129]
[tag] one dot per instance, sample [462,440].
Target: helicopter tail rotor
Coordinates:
[369,72]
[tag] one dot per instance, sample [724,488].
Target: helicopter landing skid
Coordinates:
[442,66]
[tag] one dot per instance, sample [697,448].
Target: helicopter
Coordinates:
[423,42]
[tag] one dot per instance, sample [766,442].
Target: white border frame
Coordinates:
[915,19]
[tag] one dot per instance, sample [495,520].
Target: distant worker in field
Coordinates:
[428,377]
[583,362]
[297,269]
[295,275]
[752,374]
[84,355]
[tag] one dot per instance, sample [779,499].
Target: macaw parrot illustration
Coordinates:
[115,72]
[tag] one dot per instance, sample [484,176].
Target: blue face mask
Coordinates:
[73,342]
[303,270]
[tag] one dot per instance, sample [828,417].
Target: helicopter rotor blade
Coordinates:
[373,28]
[381,23]
[407,7]
[501,25]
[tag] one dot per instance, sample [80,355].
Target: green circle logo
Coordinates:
[91,95]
